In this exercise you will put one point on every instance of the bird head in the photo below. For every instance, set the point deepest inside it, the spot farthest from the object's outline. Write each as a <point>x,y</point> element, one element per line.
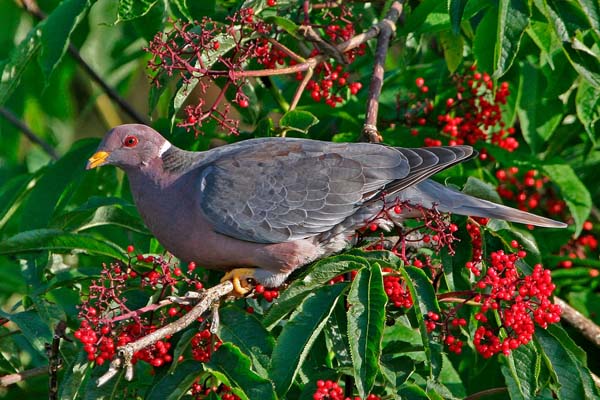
<point>129,146</point>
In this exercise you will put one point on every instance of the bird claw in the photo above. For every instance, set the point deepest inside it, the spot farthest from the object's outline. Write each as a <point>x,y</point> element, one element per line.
<point>240,278</point>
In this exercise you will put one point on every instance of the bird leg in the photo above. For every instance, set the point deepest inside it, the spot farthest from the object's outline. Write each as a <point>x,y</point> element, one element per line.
<point>240,278</point>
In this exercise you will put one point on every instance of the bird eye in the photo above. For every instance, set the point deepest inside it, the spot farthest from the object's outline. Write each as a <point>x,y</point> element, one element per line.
<point>130,141</point>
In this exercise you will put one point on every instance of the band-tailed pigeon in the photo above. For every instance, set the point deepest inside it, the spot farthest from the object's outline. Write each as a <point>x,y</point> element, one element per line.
<point>276,204</point>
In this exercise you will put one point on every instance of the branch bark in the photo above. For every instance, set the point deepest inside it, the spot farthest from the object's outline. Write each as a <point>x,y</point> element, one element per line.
<point>125,353</point>
<point>587,327</point>
<point>388,27</point>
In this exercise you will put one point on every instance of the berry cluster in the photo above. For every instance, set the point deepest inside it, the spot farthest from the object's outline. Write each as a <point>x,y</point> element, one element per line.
<point>221,391</point>
<point>473,114</point>
<point>396,289</point>
<point>268,294</point>
<point>502,293</point>
<point>474,230</point>
<point>202,345</point>
<point>107,322</point>
<point>329,390</point>
<point>530,191</point>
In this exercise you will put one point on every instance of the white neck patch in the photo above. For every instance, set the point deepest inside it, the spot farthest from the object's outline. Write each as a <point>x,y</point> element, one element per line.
<point>166,145</point>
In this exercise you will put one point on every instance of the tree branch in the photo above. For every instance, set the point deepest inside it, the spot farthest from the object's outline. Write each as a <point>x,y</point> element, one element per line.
<point>12,118</point>
<point>587,327</point>
<point>125,353</point>
<point>17,377</point>
<point>388,27</point>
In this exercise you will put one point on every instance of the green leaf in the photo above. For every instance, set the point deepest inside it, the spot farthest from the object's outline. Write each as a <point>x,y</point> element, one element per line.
<point>513,19</point>
<point>56,31</point>
<point>568,370</point>
<point>132,9</point>
<point>230,365</point>
<point>52,184</point>
<point>521,372</point>
<point>453,46</point>
<point>319,274</point>
<point>573,191</point>
<point>539,115</point>
<point>59,241</point>
<point>73,380</point>
<point>587,103</point>
<point>246,332</point>
<point>299,334</point>
<point>485,36</point>
<point>33,328</point>
<point>174,385</point>
<point>12,69</point>
<point>456,9</point>
<point>284,23</point>
<point>12,195</point>
<point>366,319</point>
<point>424,300</point>
<point>100,212</point>
<point>298,120</point>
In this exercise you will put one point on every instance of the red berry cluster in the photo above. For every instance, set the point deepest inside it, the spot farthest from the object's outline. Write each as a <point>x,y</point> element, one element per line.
<point>107,322</point>
<point>396,290</point>
<point>330,390</point>
<point>474,230</point>
<point>530,191</point>
<point>449,322</point>
<point>202,345</point>
<point>200,392</point>
<point>521,302</point>
<point>268,294</point>
<point>473,114</point>
<point>190,49</point>
<point>582,247</point>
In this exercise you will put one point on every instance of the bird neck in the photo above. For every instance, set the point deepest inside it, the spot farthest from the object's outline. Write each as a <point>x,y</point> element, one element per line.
<point>176,161</point>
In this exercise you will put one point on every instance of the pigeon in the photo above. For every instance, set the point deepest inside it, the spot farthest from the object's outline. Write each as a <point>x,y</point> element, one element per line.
<point>261,208</point>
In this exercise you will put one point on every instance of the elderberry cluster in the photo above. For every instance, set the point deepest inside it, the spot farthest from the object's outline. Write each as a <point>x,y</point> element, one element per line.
<point>330,390</point>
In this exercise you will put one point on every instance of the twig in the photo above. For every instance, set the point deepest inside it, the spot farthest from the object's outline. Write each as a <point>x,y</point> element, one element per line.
<point>32,8</point>
<point>12,118</point>
<point>125,353</point>
<point>587,327</point>
<point>300,89</point>
<point>388,28</point>
<point>17,377</point>
<point>54,359</point>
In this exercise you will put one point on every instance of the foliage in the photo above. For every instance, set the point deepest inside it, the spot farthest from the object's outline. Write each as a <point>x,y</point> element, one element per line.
<point>466,310</point>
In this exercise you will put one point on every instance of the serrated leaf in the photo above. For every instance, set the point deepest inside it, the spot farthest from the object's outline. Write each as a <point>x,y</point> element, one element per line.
<point>299,334</point>
<point>513,19</point>
<point>366,319</point>
<point>456,9</point>
<point>521,372</point>
<point>132,9</point>
<point>298,120</point>
<point>587,103</point>
<point>229,364</point>
<point>246,332</point>
<point>318,274</point>
<point>571,374</point>
<point>424,300</point>
<point>573,191</point>
<point>56,31</point>
<point>73,380</point>
<point>61,242</point>
<point>174,385</point>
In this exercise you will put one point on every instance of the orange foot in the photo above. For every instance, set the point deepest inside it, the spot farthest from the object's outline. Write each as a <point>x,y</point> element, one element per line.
<point>241,278</point>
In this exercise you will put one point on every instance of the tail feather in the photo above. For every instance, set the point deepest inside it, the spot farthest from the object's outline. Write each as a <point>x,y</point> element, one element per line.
<point>429,193</point>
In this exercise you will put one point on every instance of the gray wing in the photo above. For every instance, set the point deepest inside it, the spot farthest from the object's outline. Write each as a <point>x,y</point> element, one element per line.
<point>277,190</point>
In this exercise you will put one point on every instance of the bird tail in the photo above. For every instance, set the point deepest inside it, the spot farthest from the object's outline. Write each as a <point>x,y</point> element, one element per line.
<point>445,199</point>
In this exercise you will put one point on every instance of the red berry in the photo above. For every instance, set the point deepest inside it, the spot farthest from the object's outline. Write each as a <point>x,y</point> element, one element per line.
<point>419,82</point>
<point>130,249</point>
<point>243,103</point>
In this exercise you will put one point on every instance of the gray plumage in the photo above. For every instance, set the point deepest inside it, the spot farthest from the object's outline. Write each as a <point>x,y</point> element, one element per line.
<point>277,204</point>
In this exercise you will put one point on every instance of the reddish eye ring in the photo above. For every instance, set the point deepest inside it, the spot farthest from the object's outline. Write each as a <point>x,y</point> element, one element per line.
<point>130,141</point>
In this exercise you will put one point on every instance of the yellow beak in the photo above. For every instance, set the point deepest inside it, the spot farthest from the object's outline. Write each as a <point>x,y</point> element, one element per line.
<point>97,159</point>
